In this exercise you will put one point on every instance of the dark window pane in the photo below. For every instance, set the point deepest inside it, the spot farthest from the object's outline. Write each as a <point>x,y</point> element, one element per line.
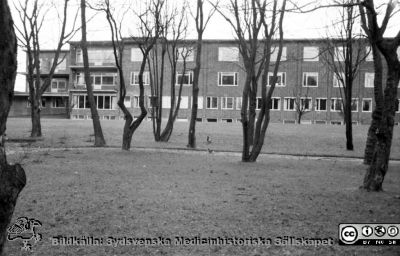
<point>107,100</point>
<point>100,102</point>
<point>81,101</point>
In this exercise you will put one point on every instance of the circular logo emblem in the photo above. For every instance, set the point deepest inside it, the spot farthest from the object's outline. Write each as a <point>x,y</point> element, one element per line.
<point>349,234</point>
<point>380,231</point>
<point>367,231</point>
<point>392,231</point>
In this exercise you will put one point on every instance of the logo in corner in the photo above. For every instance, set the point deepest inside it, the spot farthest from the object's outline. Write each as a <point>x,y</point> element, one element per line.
<point>24,229</point>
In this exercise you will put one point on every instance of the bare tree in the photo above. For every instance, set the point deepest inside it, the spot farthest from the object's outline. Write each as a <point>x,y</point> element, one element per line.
<point>12,177</point>
<point>32,17</point>
<point>201,24</point>
<point>302,101</point>
<point>175,102</point>
<point>344,54</point>
<point>174,27</point>
<point>99,140</point>
<point>251,20</point>
<point>149,30</point>
<point>384,118</point>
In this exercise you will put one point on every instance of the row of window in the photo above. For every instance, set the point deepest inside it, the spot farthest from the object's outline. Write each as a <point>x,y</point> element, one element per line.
<point>231,54</point>
<point>97,79</point>
<point>56,102</point>
<point>289,103</point>
<point>101,101</point>
<point>310,79</point>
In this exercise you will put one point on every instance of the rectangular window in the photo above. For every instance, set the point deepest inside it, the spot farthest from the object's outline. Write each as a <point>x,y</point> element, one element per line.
<point>336,105</point>
<point>274,54</point>
<point>226,102</point>
<point>97,56</point>
<point>238,103</point>
<point>339,54</point>
<point>81,101</point>
<point>227,78</point>
<point>320,104</point>
<point>79,58</point>
<point>128,103</point>
<point>187,79</point>
<point>58,85</point>
<point>258,103</point>
<point>354,105</point>
<point>368,53</point>
<point>184,104</point>
<point>135,101</point>
<point>185,52</point>
<point>135,78</point>
<point>136,55</point>
<point>62,65</point>
<point>58,102</point>
<point>310,79</point>
<point>166,102</point>
<point>212,103</point>
<point>43,103</point>
<point>310,53</point>
<point>228,54</point>
<point>97,79</point>
<point>275,104</point>
<point>281,78</point>
<point>369,80</point>
<point>289,104</point>
<point>108,79</point>
<point>200,102</point>
<point>338,79</point>
<point>367,105</point>
<point>305,104</point>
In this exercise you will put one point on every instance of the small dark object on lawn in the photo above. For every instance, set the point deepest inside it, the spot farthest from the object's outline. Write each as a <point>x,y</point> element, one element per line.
<point>210,150</point>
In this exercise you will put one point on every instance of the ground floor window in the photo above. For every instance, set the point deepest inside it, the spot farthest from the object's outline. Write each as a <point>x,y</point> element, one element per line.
<point>354,105</point>
<point>238,103</point>
<point>59,102</point>
<point>305,104</point>
<point>226,102</point>
<point>212,102</point>
<point>42,102</point>
<point>336,104</point>
<point>289,104</point>
<point>101,101</point>
<point>320,104</point>
<point>275,104</point>
<point>366,105</point>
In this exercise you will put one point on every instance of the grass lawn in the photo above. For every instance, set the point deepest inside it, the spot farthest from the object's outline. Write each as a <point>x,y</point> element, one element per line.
<point>288,138</point>
<point>103,192</point>
<point>107,192</point>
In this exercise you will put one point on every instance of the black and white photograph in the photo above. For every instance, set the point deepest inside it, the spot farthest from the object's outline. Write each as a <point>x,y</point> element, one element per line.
<point>199,127</point>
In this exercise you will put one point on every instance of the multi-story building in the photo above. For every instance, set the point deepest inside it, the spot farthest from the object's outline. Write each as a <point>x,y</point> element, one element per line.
<point>55,99</point>
<point>303,77</point>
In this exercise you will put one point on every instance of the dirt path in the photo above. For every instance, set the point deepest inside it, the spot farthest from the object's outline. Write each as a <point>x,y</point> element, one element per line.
<point>16,149</point>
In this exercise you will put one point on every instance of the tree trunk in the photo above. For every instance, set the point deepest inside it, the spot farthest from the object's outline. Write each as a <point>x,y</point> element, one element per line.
<point>299,115</point>
<point>377,112</point>
<point>347,118</point>
<point>380,161</point>
<point>35,118</point>
<point>98,132</point>
<point>195,93</point>
<point>12,177</point>
<point>127,133</point>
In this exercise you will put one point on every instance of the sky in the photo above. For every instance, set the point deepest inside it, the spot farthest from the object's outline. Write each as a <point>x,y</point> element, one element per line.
<point>315,24</point>
<point>296,25</point>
